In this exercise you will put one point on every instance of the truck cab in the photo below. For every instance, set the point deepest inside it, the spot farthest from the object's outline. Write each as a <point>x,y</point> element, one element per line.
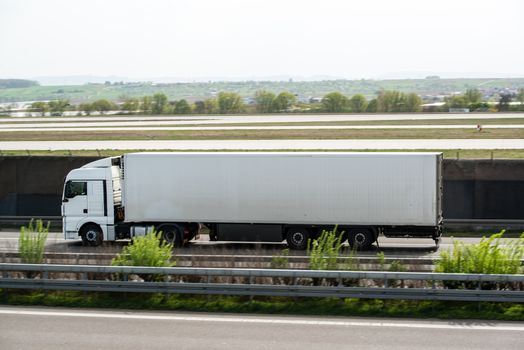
<point>90,196</point>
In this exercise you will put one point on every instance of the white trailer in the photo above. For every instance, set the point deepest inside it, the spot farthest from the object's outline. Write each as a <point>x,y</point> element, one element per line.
<point>256,196</point>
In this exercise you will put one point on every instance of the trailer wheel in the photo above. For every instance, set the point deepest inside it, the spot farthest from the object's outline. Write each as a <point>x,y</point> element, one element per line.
<point>172,235</point>
<point>360,238</point>
<point>91,235</point>
<point>297,238</point>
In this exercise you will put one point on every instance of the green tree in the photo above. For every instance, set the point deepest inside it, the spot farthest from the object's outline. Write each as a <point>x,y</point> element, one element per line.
<point>130,105</point>
<point>159,103</point>
<point>182,107</point>
<point>264,101</point>
<point>457,101</point>
<point>283,101</point>
<point>58,107</point>
<point>40,107</point>
<point>146,104</point>
<point>230,103</point>
<point>520,98</point>
<point>412,103</point>
<point>504,102</point>
<point>103,106</point>
<point>208,106</point>
<point>389,101</point>
<point>372,106</point>
<point>211,106</point>
<point>335,102</point>
<point>358,103</point>
<point>199,107</point>
<point>473,96</point>
<point>87,108</point>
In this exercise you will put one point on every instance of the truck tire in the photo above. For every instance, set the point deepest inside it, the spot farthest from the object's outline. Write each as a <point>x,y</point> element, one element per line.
<point>92,235</point>
<point>172,235</point>
<point>297,238</point>
<point>361,238</point>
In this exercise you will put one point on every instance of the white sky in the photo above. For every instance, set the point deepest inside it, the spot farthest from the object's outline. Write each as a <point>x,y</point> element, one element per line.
<point>240,39</point>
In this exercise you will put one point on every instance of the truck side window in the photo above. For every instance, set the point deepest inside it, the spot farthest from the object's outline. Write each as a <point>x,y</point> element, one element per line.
<point>75,188</point>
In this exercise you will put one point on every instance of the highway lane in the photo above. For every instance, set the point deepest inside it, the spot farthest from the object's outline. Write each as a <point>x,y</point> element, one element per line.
<point>272,118</point>
<point>61,328</point>
<point>392,247</point>
<point>44,128</point>
<point>382,144</point>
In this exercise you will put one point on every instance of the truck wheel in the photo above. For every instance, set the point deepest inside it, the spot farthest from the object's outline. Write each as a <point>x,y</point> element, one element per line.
<point>360,238</point>
<point>92,235</point>
<point>172,235</point>
<point>297,238</point>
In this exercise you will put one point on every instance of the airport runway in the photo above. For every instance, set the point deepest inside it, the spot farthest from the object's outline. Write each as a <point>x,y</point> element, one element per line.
<point>239,119</point>
<point>162,127</point>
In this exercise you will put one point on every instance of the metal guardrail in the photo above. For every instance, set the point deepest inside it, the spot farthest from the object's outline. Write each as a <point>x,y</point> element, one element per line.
<point>254,282</point>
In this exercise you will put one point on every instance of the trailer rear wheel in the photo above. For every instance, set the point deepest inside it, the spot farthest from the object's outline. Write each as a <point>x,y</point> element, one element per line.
<point>361,238</point>
<point>91,235</point>
<point>297,238</point>
<point>172,235</point>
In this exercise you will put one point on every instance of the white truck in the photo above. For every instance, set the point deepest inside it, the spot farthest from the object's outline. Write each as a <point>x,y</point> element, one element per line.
<point>255,196</point>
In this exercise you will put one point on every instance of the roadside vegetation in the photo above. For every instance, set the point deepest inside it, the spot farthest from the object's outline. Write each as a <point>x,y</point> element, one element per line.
<point>274,305</point>
<point>324,250</point>
<point>31,242</point>
<point>148,250</point>
<point>489,256</point>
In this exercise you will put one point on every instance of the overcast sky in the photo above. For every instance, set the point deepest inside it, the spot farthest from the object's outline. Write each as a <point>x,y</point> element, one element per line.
<point>240,39</point>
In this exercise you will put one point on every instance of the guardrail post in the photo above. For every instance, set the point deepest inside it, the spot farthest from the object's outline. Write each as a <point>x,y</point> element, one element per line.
<point>83,276</point>
<point>5,296</point>
<point>208,280</point>
<point>479,287</point>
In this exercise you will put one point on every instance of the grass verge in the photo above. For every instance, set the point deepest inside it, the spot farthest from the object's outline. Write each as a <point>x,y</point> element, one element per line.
<point>273,305</point>
<point>448,153</point>
<point>333,134</point>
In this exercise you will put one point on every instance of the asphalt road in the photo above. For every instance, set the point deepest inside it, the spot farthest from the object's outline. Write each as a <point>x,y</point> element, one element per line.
<point>392,247</point>
<point>265,144</point>
<point>60,328</point>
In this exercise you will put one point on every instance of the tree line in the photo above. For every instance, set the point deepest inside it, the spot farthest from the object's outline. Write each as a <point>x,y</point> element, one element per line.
<point>472,99</point>
<point>387,101</point>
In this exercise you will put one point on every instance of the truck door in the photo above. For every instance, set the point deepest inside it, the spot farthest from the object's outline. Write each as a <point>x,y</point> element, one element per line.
<point>84,199</point>
<point>74,206</point>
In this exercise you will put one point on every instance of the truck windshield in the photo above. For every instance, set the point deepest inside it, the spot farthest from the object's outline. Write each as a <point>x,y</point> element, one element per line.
<point>75,188</point>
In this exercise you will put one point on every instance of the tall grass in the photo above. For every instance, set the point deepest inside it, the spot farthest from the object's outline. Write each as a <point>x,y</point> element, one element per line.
<point>324,251</point>
<point>148,250</point>
<point>31,242</point>
<point>489,256</point>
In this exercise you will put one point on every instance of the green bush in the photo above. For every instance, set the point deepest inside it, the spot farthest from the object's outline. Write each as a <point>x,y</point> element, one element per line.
<point>489,257</point>
<point>31,242</point>
<point>394,266</point>
<point>148,250</point>
<point>324,251</point>
<point>280,261</point>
